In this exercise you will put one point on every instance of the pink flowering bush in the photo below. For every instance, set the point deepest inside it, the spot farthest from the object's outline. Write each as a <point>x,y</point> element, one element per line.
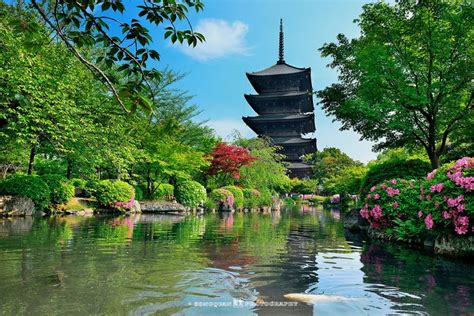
<point>448,195</point>
<point>115,194</point>
<point>441,203</point>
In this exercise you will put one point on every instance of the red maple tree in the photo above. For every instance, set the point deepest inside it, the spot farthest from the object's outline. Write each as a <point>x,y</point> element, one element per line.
<point>229,159</point>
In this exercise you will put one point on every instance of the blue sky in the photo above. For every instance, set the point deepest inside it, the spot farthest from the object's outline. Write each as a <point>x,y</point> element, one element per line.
<point>242,36</point>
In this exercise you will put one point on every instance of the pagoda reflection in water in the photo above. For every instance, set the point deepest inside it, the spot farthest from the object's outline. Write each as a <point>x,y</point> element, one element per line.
<point>284,105</point>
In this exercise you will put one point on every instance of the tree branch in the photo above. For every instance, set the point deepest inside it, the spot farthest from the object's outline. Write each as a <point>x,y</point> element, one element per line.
<point>93,68</point>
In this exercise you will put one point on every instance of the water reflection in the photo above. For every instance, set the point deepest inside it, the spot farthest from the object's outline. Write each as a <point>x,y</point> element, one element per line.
<point>232,263</point>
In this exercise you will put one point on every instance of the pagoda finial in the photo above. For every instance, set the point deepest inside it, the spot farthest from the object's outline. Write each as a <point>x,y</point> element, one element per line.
<point>281,53</point>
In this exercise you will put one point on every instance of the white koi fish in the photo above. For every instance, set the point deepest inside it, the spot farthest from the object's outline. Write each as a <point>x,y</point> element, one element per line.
<point>316,298</point>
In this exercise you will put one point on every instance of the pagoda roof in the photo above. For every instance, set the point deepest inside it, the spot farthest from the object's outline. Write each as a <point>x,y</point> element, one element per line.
<point>280,68</point>
<point>298,165</point>
<point>285,117</point>
<point>288,140</point>
<point>281,124</point>
<point>281,102</point>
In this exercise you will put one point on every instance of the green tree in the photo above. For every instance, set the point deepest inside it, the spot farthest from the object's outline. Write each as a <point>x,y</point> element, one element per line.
<point>269,172</point>
<point>330,162</point>
<point>407,80</point>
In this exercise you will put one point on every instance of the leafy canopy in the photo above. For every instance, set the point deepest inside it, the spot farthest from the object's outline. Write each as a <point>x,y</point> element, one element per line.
<point>407,80</point>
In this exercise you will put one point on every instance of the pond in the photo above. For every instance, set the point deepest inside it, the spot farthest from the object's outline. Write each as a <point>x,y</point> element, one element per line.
<point>219,263</point>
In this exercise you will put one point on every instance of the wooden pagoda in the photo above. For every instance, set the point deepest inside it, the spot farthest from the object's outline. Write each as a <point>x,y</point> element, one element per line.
<point>284,105</point>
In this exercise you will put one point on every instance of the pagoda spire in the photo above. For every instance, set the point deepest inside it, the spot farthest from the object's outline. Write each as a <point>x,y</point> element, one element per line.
<point>281,53</point>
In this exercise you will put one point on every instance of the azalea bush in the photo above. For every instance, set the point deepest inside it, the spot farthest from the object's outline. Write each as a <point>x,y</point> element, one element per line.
<point>441,203</point>
<point>222,197</point>
<point>447,198</point>
<point>115,194</point>
<point>190,193</point>
<point>238,195</point>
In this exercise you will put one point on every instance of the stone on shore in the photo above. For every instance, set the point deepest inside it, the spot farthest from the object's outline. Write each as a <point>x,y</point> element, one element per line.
<point>161,206</point>
<point>16,206</point>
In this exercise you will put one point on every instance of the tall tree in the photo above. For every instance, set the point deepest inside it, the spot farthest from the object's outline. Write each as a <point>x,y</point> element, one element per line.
<point>407,80</point>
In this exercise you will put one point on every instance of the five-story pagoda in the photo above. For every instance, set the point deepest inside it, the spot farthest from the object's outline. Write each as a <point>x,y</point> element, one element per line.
<point>284,105</point>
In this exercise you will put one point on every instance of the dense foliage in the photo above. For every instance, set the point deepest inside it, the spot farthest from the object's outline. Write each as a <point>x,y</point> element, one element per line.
<point>32,187</point>
<point>61,189</point>
<point>251,198</point>
<point>394,168</point>
<point>190,193</point>
<point>335,171</point>
<point>114,193</point>
<point>407,80</point>
<point>268,172</point>
<point>164,191</point>
<point>441,203</point>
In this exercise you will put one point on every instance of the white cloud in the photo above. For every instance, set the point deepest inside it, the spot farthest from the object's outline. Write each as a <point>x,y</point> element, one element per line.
<point>222,39</point>
<point>226,127</point>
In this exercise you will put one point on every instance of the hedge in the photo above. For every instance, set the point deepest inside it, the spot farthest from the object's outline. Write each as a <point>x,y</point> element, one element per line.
<point>190,193</point>
<point>32,187</point>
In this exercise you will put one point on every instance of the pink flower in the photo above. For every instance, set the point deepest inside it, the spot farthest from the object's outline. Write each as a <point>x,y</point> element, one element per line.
<point>437,187</point>
<point>461,225</point>
<point>372,189</point>
<point>431,174</point>
<point>395,204</point>
<point>376,212</point>
<point>429,221</point>
<point>383,186</point>
<point>460,207</point>
<point>452,202</point>
<point>391,191</point>
<point>394,181</point>
<point>369,196</point>
<point>446,215</point>
<point>364,213</point>
<point>420,214</point>
<point>428,197</point>
<point>376,196</point>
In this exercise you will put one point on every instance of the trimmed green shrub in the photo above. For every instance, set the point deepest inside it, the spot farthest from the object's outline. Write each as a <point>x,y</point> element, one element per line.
<point>164,191</point>
<point>61,190</point>
<point>32,187</point>
<point>110,192</point>
<point>394,169</point>
<point>238,195</point>
<point>190,193</point>
<point>251,198</point>
<point>222,196</point>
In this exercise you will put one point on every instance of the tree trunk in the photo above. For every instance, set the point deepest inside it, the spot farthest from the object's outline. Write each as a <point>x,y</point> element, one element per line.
<point>32,159</point>
<point>434,159</point>
<point>69,169</point>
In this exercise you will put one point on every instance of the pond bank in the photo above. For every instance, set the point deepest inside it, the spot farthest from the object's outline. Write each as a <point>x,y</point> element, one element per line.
<point>447,245</point>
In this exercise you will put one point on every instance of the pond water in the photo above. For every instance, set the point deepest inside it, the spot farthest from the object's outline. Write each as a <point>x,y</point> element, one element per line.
<point>219,263</point>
